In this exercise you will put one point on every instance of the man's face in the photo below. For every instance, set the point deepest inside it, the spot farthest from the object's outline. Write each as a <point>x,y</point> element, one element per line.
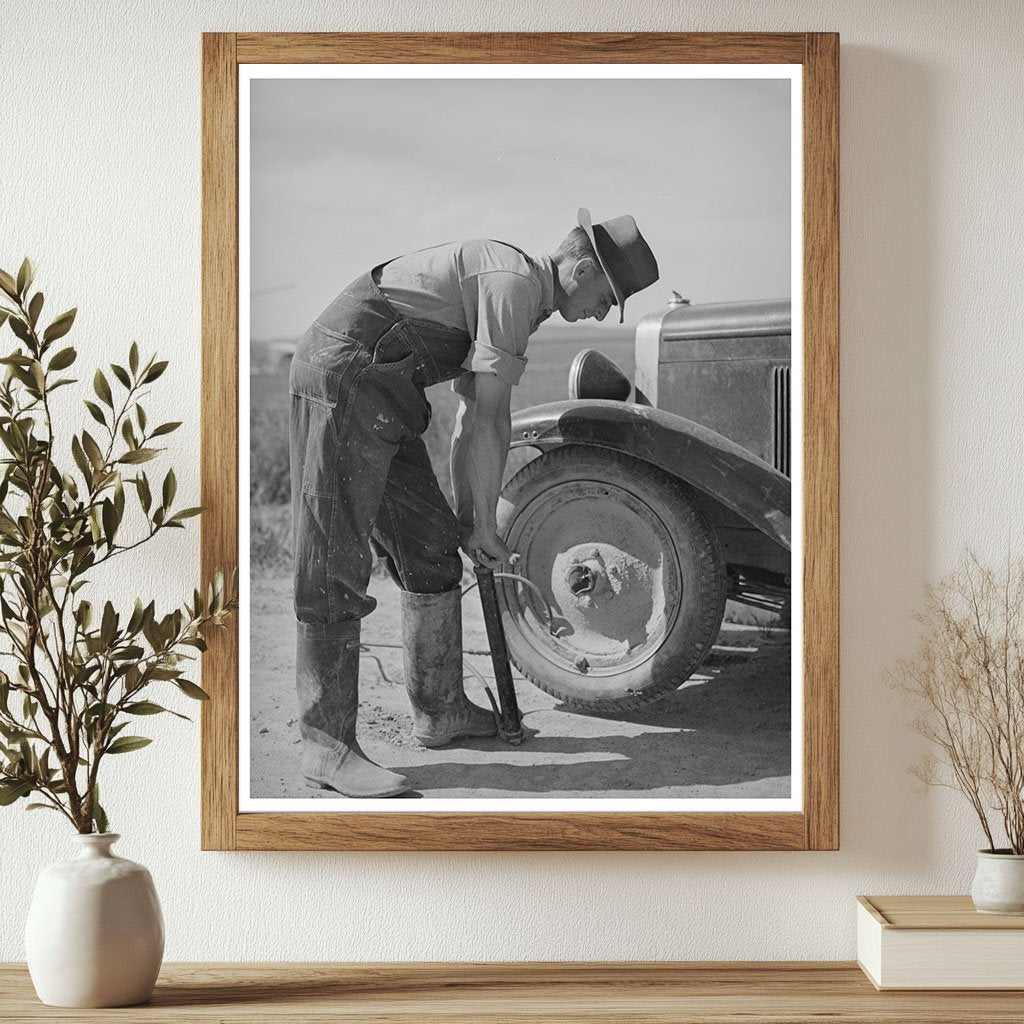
<point>590,294</point>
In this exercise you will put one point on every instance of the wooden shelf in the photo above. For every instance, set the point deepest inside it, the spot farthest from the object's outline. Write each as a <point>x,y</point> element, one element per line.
<point>615,993</point>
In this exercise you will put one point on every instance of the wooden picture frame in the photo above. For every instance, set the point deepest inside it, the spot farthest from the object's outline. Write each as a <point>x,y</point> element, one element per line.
<point>816,826</point>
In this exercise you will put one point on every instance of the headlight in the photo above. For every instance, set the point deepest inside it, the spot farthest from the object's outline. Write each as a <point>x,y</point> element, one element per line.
<point>593,375</point>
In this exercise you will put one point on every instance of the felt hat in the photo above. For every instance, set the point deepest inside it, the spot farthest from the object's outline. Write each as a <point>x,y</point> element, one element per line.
<point>624,255</point>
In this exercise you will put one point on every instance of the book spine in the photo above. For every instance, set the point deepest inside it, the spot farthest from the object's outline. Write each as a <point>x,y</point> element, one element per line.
<point>869,945</point>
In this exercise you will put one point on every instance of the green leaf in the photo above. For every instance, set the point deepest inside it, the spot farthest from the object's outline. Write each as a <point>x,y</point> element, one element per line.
<point>133,358</point>
<point>132,679</point>
<point>19,374</point>
<point>119,498</point>
<point>139,455</point>
<point>60,326</point>
<point>218,584</point>
<point>164,673</point>
<point>19,632</point>
<point>102,388</point>
<point>63,359</point>
<point>99,816</point>
<point>145,497</point>
<point>135,622</point>
<point>92,449</point>
<point>140,415</point>
<point>170,487</point>
<point>125,744</point>
<point>10,614</point>
<point>11,791</point>
<point>34,308</point>
<point>154,371</point>
<point>41,807</point>
<point>95,412</point>
<point>84,614</point>
<point>191,690</point>
<point>109,521</point>
<point>95,526</point>
<point>12,733</point>
<point>10,442</point>
<point>121,374</point>
<point>80,458</point>
<point>108,627</point>
<point>128,433</point>
<point>26,274</point>
<point>8,284</point>
<point>185,513</point>
<point>165,428</point>
<point>130,653</point>
<point>144,707</point>
<point>20,329</point>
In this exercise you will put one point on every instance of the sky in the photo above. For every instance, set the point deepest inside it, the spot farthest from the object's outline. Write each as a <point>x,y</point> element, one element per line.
<point>347,173</point>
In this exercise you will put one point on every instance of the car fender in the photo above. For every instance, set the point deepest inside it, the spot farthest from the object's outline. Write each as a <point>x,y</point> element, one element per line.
<point>707,461</point>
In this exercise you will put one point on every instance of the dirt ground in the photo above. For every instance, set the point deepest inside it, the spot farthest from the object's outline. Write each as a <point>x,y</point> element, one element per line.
<point>725,733</point>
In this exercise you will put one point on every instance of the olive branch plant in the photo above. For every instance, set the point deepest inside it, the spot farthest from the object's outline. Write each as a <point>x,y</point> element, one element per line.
<point>966,680</point>
<point>80,674</point>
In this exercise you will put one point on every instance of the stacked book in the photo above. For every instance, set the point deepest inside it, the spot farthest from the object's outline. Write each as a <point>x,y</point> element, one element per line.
<point>938,942</point>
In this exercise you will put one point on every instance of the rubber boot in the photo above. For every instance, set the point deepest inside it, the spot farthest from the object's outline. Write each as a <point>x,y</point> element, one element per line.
<point>432,640</point>
<point>327,678</point>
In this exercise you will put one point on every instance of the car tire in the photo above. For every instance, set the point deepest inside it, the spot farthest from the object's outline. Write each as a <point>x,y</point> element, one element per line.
<point>628,565</point>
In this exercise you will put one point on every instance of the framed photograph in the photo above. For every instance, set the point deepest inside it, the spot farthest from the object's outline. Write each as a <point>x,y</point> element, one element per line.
<point>520,418</point>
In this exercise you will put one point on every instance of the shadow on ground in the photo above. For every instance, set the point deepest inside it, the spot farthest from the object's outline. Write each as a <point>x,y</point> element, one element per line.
<point>724,734</point>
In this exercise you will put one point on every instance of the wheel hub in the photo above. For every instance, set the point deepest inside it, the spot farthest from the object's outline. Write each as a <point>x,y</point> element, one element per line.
<point>582,580</point>
<point>599,556</point>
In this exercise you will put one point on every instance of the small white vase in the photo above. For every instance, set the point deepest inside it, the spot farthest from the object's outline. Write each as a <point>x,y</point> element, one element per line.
<point>95,934</point>
<point>999,883</point>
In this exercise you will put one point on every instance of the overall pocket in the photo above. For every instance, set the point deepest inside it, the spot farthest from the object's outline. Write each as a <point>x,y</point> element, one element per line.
<point>393,351</point>
<point>313,437</point>
<point>391,385</point>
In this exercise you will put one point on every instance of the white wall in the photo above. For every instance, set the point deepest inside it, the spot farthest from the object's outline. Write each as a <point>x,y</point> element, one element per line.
<point>100,182</point>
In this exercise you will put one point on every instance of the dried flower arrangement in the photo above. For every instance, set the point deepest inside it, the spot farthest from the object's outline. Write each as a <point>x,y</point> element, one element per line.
<point>967,682</point>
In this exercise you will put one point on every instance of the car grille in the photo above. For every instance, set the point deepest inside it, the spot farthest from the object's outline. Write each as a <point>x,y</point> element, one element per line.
<point>780,452</point>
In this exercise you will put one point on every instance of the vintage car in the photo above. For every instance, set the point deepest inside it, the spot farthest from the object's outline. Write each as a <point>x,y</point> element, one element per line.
<point>651,505</point>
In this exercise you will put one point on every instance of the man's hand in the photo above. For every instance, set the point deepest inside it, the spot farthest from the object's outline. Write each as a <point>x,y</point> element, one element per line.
<point>487,549</point>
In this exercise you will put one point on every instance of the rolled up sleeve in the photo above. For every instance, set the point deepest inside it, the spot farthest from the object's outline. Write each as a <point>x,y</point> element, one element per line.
<point>502,308</point>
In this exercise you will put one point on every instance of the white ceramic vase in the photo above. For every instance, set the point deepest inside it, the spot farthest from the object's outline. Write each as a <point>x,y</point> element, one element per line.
<point>95,934</point>
<point>999,883</point>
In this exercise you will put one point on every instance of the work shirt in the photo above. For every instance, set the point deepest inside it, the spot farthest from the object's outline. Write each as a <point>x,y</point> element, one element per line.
<point>494,292</point>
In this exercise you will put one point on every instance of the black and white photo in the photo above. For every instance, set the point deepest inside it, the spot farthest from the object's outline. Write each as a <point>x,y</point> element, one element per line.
<point>536,330</point>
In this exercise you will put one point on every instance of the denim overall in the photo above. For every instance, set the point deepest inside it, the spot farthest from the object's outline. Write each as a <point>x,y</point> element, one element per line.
<point>360,472</point>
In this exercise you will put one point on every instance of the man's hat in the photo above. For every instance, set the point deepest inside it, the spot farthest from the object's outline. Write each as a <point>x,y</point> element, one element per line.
<point>625,257</point>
